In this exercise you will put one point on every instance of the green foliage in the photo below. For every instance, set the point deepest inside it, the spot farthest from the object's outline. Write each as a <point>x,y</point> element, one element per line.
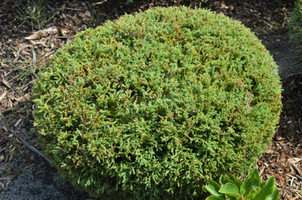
<point>129,1</point>
<point>295,27</point>
<point>250,189</point>
<point>154,106</point>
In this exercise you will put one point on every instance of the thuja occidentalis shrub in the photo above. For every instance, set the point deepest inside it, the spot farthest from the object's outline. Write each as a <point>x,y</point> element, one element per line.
<point>155,105</point>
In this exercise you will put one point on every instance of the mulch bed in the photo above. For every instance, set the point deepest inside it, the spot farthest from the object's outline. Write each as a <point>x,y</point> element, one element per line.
<point>284,157</point>
<point>23,48</point>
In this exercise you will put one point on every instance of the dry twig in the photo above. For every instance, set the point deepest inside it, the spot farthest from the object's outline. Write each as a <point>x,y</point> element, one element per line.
<point>29,146</point>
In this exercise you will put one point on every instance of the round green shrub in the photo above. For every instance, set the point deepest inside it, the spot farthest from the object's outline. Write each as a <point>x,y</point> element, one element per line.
<point>155,105</point>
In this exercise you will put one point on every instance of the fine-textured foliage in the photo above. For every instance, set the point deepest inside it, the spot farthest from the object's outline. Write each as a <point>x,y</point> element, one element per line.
<point>154,106</point>
<point>295,27</point>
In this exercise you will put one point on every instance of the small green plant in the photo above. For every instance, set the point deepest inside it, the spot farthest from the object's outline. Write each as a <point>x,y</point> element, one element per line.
<point>250,189</point>
<point>295,27</point>
<point>35,14</point>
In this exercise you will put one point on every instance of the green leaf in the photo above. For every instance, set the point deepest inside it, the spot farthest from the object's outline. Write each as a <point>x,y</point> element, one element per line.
<point>252,181</point>
<point>253,194</point>
<point>232,198</point>
<point>263,191</point>
<point>267,190</point>
<point>215,198</point>
<point>233,179</point>
<point>230,189</point>
<point>236,181</point>
<point>275,195</point>
<point>223,180</point>
<point>213,188</point>
<point>239,184</point>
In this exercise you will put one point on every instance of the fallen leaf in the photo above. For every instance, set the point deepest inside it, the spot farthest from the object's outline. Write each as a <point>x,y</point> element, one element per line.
<point>24,98</point>
<point>42,33</point>
<point>64,31</point>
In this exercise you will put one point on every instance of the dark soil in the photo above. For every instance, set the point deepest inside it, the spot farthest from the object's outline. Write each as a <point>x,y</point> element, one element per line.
<point>20,58</point>
<point>285,56</point>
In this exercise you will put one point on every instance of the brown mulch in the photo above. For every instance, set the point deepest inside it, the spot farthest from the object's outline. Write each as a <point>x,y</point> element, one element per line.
<point>23,48</point>
<point>284,157</point>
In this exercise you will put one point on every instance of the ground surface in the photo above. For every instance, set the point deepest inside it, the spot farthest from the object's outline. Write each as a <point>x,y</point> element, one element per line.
<point>26,175</point>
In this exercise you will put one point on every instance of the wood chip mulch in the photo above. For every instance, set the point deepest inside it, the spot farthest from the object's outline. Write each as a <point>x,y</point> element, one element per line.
<point>284,157</point>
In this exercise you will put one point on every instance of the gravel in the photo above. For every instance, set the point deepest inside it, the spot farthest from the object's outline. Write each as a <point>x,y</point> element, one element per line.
<point>36,183</point>
<point>28,176</point>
